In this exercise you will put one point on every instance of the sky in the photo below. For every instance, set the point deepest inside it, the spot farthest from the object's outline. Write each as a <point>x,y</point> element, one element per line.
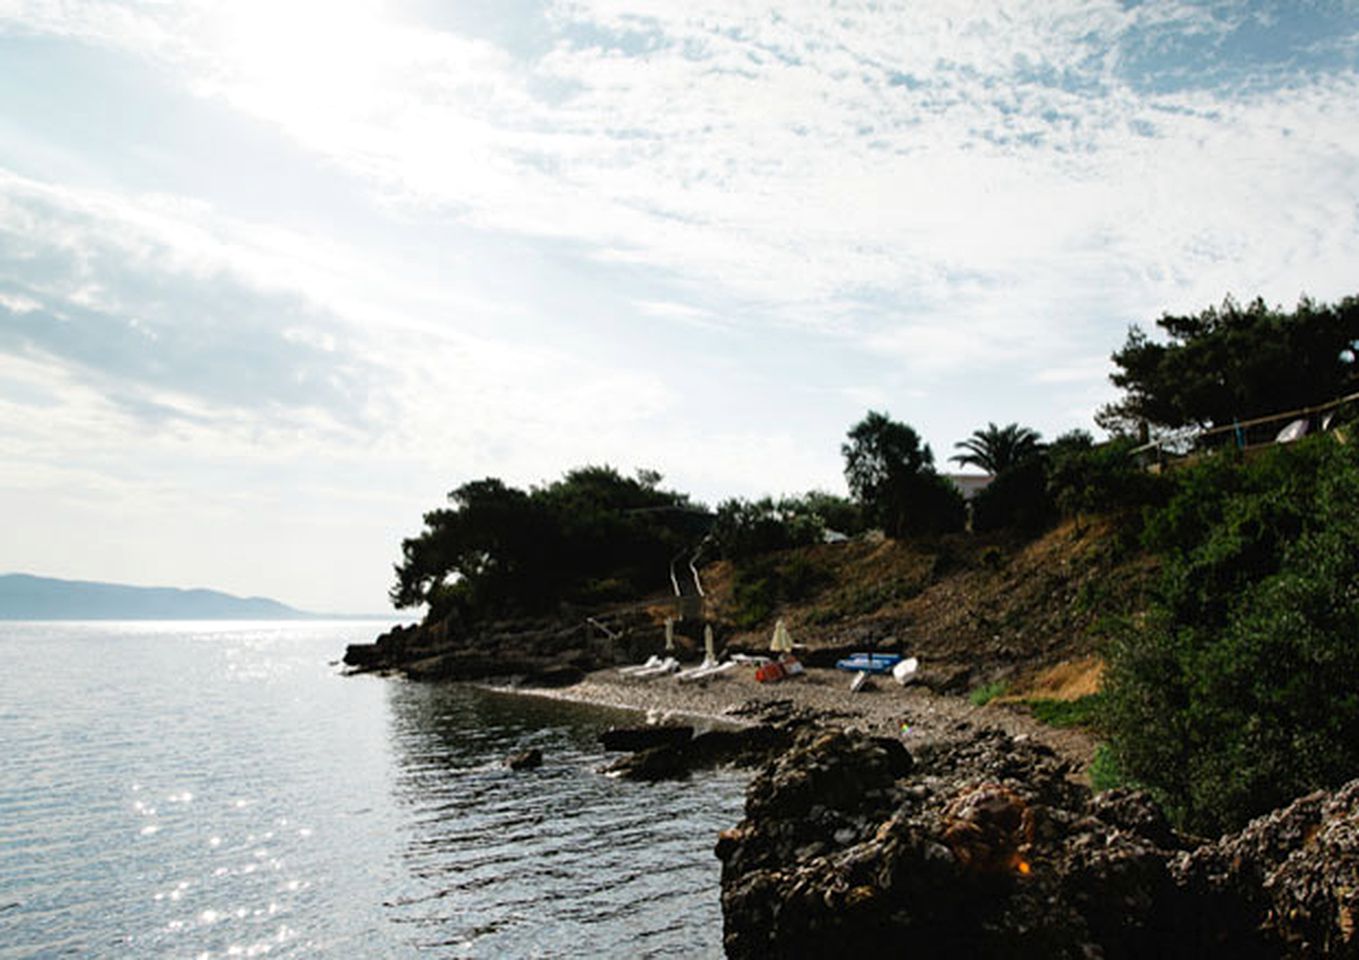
<point>277,276</point>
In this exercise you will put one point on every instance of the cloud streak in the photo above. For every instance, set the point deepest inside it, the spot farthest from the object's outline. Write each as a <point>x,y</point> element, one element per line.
<point>136,299</point>
<point>1003,164</point>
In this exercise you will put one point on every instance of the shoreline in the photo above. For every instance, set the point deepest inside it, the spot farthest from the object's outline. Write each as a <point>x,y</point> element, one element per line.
<point>736,699</point>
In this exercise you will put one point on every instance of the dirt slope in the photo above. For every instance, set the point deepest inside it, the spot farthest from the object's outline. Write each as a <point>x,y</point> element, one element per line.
<point>984,608</point>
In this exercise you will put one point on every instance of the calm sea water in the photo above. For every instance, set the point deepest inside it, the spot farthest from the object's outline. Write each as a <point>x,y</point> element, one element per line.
<point>218,790</point>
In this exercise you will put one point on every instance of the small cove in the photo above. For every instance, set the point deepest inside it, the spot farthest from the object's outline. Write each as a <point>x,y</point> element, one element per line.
<point>206,790</point>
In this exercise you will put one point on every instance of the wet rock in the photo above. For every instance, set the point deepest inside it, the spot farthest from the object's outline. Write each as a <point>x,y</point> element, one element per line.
<point>557,675</point>
<point>646,737</point>
<point>746,746</point>
<point>363,655</point>
<point>525,760</point>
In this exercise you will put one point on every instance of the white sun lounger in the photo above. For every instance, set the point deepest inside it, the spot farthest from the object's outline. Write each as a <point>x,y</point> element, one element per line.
<point>668,665</point>
<point>636,668</point>
<point>705,670</point>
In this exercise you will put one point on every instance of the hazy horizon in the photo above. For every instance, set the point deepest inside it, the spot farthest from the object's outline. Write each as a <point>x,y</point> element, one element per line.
<point>275,277</point>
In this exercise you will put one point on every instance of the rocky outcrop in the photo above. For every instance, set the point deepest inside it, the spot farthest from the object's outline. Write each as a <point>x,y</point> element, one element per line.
<point>645,737</point>
<point>741,747</point>
<point>552,651</point>
<point>986,847</point>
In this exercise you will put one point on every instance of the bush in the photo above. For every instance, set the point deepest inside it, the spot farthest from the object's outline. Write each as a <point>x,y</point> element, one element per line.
<point>1105,479</point>
<point>1081,712</point>
<point>984,694</point>
<point>1236,693</point>
<point>1104,771</point>
<point>759,586</point>
<point>1017,499</point>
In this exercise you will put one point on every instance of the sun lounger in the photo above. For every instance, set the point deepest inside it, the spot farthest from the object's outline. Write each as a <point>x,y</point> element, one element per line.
<point>668,665</point>
<point>704,671</point>
<point>636,668</point>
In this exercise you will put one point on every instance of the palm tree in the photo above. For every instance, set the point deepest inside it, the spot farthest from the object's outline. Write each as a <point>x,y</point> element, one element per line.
<point>997,449</point>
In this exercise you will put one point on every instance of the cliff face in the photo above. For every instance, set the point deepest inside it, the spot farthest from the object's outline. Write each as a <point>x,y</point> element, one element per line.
<point>984,847</point>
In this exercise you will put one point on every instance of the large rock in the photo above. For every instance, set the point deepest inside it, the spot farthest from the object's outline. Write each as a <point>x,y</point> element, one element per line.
<point>986,848</point>
<point>744,746</point>
<point>645,737</point>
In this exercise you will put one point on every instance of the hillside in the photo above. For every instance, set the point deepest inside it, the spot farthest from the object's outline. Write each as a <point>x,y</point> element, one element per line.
<point>974,609</point>
<point>25,597</point>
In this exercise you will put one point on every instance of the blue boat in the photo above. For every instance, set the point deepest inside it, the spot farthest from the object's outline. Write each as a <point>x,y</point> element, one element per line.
<point>868,662</point>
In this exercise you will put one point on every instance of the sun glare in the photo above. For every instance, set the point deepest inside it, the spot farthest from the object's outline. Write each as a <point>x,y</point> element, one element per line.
<point>302,54</point>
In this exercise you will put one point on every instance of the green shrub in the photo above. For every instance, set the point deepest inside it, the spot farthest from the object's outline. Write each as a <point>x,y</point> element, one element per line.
<point>1017,499</point>
<point>753,599</point>
<point>1104,771</point>
<point>760,585</point>
<point>1237,692</point>
<point>1081,712</point>
<point>984,694</point>
<point>1105,479</point>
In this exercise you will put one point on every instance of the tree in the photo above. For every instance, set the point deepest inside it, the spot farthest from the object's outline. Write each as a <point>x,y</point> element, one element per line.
<point>1233,363</point>
<point>997,449</point>
<point>748,528</point>
<point>592,535</point>
<point>1235,692</point>
<point>891,474</point>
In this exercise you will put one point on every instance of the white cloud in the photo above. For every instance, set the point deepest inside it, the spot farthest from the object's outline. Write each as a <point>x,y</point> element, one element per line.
<point>978,193</point>
<point>799,158</point>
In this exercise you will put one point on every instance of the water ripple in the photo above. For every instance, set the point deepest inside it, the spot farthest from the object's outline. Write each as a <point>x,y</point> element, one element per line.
<point>216,790</point>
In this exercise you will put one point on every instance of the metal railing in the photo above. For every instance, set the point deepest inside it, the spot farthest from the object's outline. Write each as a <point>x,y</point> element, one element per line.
<point>1245,435</point>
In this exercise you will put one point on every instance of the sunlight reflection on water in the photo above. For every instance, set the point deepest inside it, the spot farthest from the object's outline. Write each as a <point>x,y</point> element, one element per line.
<point>217,790</point>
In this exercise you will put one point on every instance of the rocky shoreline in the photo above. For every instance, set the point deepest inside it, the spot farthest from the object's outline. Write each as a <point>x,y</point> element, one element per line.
<point>902,820</point>
<point>986,847</point>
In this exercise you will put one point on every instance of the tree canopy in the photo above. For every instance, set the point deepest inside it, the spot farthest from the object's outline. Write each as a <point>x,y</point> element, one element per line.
<point>1232,363</point>
<point>592,535</point>
<point>748,528</point>
<point>891,474</point>
<point>997,449</point>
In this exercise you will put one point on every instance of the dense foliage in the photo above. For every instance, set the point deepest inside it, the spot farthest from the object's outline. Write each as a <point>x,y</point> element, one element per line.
<point>1238,691</point>
<point>1017,499</point>
<point>747,528</point>
<point>593,535</point>
<point>1085,478</point>
<point>891,475</point>
<point>1232,363</point>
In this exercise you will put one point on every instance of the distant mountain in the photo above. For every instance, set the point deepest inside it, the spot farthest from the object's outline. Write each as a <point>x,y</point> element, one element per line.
<point>24,597</point>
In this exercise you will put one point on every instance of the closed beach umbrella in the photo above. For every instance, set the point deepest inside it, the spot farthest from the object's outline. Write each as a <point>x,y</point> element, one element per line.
<point>782,642</point>
<point>708,653</point>
<point>669,635</point>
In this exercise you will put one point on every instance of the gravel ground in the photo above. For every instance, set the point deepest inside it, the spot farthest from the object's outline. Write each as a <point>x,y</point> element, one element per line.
<point>736,697</point>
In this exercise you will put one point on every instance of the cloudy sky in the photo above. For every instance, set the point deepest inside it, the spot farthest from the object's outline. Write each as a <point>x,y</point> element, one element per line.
<point>275,276</point>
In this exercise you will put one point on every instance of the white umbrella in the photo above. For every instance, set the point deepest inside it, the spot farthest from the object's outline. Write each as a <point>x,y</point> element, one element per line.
<point>782,642</point>
<point>708,655</point>
<point>669,635</point>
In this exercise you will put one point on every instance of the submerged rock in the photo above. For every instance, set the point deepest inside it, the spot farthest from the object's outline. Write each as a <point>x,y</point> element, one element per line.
<point>525,760</point>
<point>645,737</point>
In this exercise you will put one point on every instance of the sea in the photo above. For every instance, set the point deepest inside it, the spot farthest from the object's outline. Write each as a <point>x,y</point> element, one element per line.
<point>204,790</point>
